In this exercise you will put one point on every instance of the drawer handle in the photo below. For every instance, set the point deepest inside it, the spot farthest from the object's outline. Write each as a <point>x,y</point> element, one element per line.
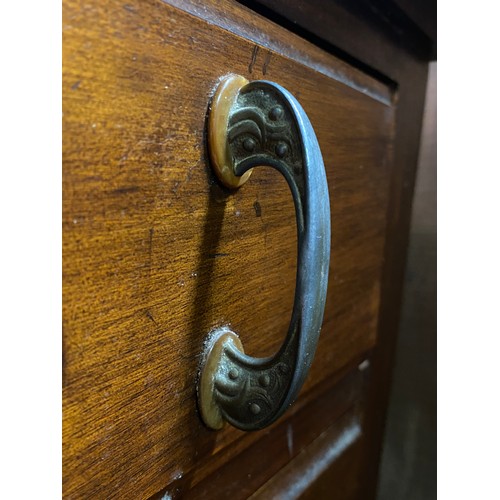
<point>262,124</point>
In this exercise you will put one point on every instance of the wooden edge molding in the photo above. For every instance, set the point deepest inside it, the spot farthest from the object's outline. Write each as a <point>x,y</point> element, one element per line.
<point>245,23</point>
<point>240,471</point>
<point>293,480</point>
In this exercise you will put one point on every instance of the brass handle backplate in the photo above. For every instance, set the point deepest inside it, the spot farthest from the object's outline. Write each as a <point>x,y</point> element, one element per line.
<point>262,124</point>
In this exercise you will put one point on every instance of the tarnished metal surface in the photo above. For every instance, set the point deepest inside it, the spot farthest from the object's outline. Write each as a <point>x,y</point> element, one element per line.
<point>268,127</point>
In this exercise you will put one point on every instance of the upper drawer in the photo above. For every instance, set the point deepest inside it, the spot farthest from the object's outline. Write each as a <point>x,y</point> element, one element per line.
<point>156,253</point>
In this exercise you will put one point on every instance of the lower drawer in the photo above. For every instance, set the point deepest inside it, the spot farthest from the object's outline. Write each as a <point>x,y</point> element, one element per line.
<point>316,431</point>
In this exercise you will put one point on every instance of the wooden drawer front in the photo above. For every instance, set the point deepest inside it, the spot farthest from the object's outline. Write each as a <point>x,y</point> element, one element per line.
<point>156,253</point>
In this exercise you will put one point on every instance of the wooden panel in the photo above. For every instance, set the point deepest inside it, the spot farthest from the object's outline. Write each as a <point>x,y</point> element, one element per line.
<point>408,464</point>
<point>243,22</point>
<point>363,34</point>
<point>236,472</point>
<point>327,468</point>
<point>155,253</point>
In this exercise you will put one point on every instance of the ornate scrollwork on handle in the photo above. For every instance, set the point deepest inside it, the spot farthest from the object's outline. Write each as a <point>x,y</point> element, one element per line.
<point>263,125</point>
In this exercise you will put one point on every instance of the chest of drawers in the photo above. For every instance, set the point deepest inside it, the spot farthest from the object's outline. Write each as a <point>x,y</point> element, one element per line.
<point>156,253</point>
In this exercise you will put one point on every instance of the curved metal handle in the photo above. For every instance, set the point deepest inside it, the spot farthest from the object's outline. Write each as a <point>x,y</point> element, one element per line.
<point>262,124</point>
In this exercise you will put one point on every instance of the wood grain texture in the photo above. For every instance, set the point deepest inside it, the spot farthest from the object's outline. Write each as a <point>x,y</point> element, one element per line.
<point>156,253</point>
<point>360,31</point>
<point>241,470</point>
<point>388,34</point>
<point>247,23</point>
<point>327,468</point>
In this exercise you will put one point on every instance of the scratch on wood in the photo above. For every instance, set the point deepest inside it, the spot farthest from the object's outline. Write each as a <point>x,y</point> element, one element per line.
<point>129,8</point>
<point>254,57</point>
<point>125,190</point>
<point>215,255</point>
<point>76,85</point>
<point>289,439</point>
<point>257,208</point>
<point>266,62</point>
<point>151,233</point>
<point>64,360</point>
<point>150,316</point>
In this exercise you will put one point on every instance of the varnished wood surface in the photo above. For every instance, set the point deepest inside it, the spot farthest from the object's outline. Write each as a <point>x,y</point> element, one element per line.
<point>408,465</point>
<point>361,32</point>
<point>327,468</point>
<point>386,35</point>
<point>156,253</point>
<point>244,22</point>
<point>249,465</point>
